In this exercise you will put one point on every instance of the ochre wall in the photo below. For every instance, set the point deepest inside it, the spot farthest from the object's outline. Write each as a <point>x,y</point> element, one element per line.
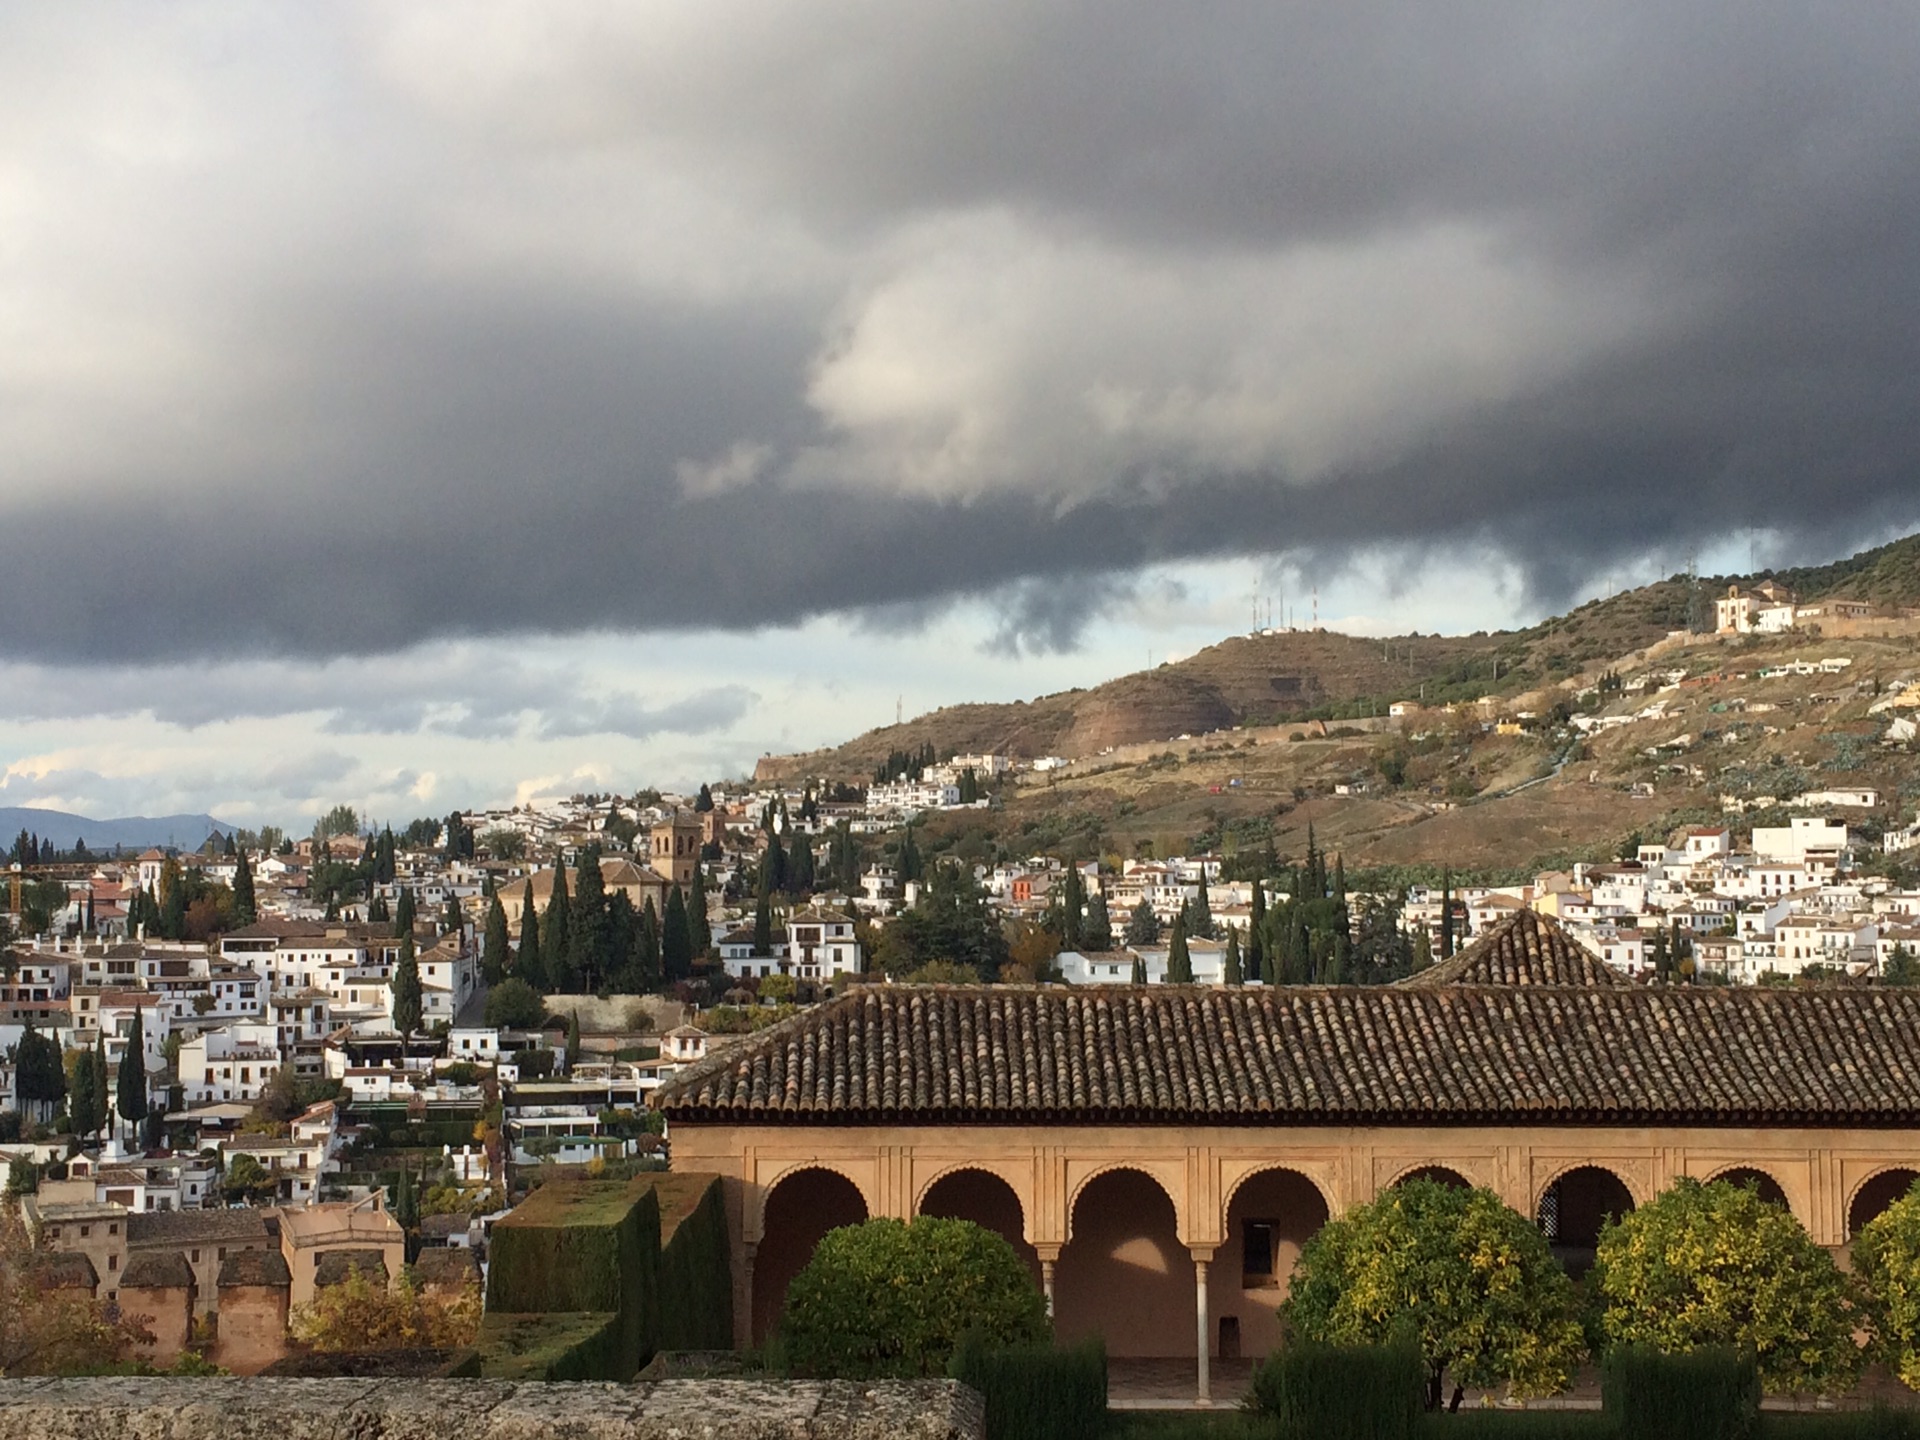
<point>1198,1169</point>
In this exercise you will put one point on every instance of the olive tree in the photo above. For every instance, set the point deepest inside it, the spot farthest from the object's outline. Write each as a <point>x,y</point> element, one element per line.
<point>1716,1264</point>
<point>1455,1271</point>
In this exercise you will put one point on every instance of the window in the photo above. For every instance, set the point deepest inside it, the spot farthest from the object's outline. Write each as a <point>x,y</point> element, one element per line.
<point>85,1231</point>
<point>1256,1255</point>
<point>113,1262</point>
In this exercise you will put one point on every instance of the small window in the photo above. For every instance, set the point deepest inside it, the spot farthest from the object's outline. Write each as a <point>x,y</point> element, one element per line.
<point>113,1262</point>
<point>85,1231</point>
<point>1256,1262</point>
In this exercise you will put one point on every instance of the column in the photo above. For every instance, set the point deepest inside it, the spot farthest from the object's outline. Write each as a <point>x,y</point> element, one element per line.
<point>1202,1329</point>
<point>1046,1284</point>
<point>743,1312</point>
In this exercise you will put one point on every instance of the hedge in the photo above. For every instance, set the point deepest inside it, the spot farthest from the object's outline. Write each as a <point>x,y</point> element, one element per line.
<point>696,1263</point>
<point>584,1246</point>
<point>596,1247</point>
<point>562,1346</point>
<point>1341,1392</point>
<point>1712,1393</point>
<point>1036,1392</point>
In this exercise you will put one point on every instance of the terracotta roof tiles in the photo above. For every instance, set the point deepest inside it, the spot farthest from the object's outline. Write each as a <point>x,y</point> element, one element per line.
<point>1524,949</point>
<point>1460,1054</point>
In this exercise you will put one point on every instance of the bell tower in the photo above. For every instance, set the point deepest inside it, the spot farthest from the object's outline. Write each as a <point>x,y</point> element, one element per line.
<point>675,844</point>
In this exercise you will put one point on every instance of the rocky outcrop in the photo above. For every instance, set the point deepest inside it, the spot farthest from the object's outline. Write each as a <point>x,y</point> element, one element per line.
<point>132,1408</point>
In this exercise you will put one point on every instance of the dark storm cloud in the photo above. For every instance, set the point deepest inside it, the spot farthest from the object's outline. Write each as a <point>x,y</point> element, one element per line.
<point>956,311</point>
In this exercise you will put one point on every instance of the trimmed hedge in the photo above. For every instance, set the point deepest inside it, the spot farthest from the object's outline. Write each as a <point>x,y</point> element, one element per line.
<point>595,1247</point>
<point>590,1246</point>
<point>1036,1392</point>
<point>1712,1393</point>
<point>1341,1392</point>
<point>560,1346</point>
<point>696,1263</point>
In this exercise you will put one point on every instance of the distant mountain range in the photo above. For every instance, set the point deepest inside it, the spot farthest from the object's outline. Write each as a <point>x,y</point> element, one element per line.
<point>131,832</point>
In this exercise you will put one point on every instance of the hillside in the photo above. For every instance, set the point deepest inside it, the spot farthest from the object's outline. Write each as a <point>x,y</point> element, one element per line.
<point>1299,675</point>
<point>130,832</point>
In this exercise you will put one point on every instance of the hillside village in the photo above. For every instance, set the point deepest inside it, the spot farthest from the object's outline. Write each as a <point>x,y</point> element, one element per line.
<point>225,1066</point>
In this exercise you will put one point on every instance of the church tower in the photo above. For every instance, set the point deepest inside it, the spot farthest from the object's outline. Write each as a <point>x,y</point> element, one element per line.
<point>676,847</point>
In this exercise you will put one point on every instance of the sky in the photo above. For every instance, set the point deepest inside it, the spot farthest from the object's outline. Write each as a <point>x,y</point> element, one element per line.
<point>427,405</point>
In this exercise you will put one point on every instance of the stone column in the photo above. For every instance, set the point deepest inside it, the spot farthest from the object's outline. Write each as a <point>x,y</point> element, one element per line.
<point>743,1312</point>
<point>1202,1326</point>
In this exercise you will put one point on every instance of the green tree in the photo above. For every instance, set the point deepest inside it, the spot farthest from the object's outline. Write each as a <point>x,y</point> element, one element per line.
<point>676,941</point>
<point>529,958</point>
<point>703,802</point>
<point>643,960</point>
<point>1902,967</point>
<point>81,1116</point>
<point>763,909</point>
<point>1886,1263</point>
<point>495,949</point>
<point>591,963</point>
<point>1073,903</point>
<point>1200,913</point>
<point>573,1039</point>
<point>515,1005</point>
<point>1139,975</point>
<point>911,865</point>
<point>1096,934</point>
<point>951,922</point>
<point>247,1181</point>
<point>406,988</point>
<point>340,820</point>
<point>1453,1270</point>
<point>1179,962</point>
<point>556,934</point>
<point>1446,915</point>
<point>97,1077</point>
<point>1230,962</point>
<point>1715,1264</point>
<point>891,1299</point>
<point>699,925</point>
<point>404,911</point>
<point>245,908</point>
<point>132,1092</point>
<point>800,870</point>
<point>1143,926</point>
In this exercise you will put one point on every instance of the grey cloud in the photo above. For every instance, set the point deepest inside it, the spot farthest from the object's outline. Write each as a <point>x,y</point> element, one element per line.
<point>302,777</point>
<point>465,399</point>
<point>625,715</point>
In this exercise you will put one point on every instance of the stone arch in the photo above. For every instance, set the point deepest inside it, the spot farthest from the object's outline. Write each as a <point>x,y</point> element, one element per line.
<point>986,1197</point>
<point>1572,1208</point>
<point>1439,1174</point>
<point>1169,1186</point>
<point>1873,1195</point>
<point>797,1210</point>
<point>1269,1215</point>
<point>763,1193</point>
<point>1124,1273</point>
<point>1770,1188</point>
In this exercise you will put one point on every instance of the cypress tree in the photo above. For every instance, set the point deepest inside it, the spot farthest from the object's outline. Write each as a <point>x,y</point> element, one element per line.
<point>1446,915</point>
<point>556,933</point>
<point>494,952</point>
<point>245,907</point>
<point>406,989</point>
<point>1422,949</point>
<point>1098,931</point>
<point>1256,928</point>
<point>452,919</point>
<point>529,961</point>
<point>800,875</point>
<point>910,862</point>
<point>173,903</point>
<point>573,1039</point>
<point>1143,926</point>
<point>1073,901</point>
<point>676,943</point>
<point>1139,971</point>
<point>132,1090</point>
<point>1201,924</point>
<point>97,1079</point>
<point>1230,963</point>
<point>403,913</point>
<point>703,802</point>
<point>763,911</point>
<point>1179,962</point>
<point>80,1114</point>
<point>590,961</point>
<point>698,925</point>
<point>645,964</point>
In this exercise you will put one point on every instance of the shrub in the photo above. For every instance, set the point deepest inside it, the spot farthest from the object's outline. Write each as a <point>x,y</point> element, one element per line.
<point>515,1005</point>
<point>360,1314</point>
<point>696,1269</point>
<point>885,1298</point>
<point>1717,1265</point>
<point>1712,1393</point>
<point>1886,1262</point>
<point>1341,1392</point>
<point>1036,1392</point>
<point>1455,1272</point>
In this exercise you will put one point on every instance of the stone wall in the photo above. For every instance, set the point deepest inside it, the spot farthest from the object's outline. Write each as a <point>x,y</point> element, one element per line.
<point>131,1408</point>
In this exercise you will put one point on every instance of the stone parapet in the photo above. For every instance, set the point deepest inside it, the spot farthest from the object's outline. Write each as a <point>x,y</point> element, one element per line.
<point>138,1408</point>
